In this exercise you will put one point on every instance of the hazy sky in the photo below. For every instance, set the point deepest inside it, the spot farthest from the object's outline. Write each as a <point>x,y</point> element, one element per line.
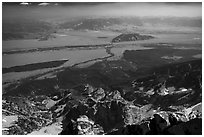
<point>69,10</point>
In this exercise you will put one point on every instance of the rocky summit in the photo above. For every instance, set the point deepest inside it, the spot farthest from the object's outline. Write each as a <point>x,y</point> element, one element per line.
<point>166,102</point>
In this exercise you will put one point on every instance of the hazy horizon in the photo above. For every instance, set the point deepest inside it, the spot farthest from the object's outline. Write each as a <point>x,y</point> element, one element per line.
<point>129,9</point>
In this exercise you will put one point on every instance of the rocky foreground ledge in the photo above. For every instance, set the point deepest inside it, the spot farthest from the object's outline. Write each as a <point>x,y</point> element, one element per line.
<point>120,117</point>
<point>173,124</point>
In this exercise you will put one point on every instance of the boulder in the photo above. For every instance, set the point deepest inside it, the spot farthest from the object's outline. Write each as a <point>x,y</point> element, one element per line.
<point>85,126</point>
<point>157,124</point>
<point>175,118</point>
<point>98,94</point>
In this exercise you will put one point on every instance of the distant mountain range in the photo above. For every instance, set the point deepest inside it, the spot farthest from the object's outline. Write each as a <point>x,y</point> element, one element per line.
<point>35,29</point>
